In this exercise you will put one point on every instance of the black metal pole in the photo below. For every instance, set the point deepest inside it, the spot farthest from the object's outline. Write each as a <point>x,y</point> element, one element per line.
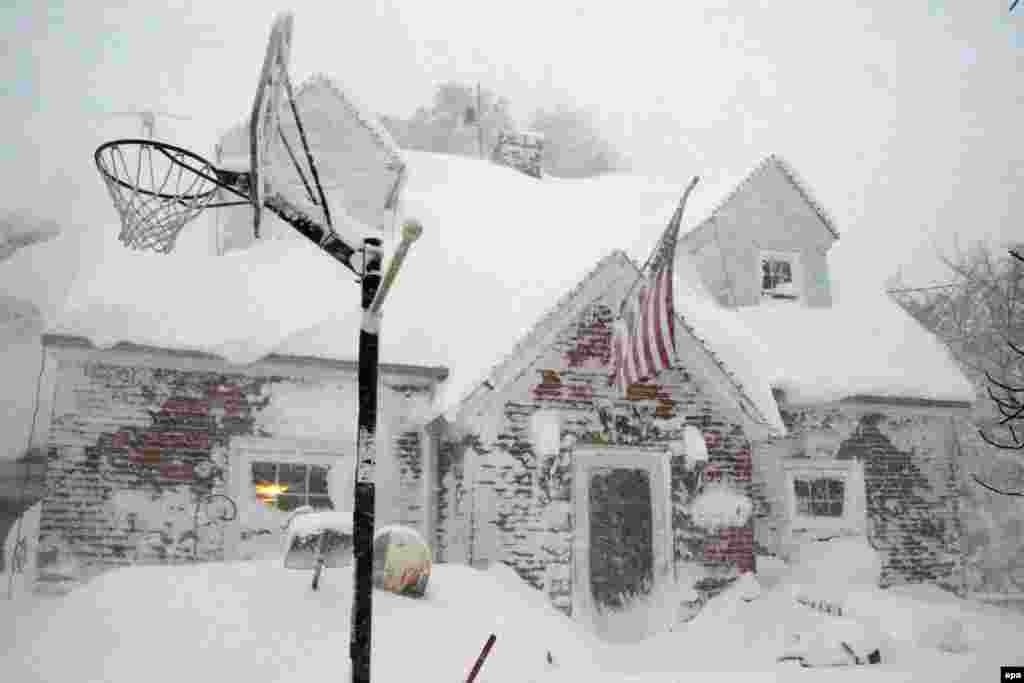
<point>363,508</point>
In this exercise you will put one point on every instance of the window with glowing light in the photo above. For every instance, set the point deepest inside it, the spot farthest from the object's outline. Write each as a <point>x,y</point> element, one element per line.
<point>286,486</point>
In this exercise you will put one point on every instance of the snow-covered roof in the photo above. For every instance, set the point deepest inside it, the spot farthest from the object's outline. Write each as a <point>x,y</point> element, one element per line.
<point>498,249</point>
<point>863,345</point>
<point>707,201</point>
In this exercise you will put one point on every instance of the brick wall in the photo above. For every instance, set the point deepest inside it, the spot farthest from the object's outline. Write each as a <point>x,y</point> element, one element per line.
<point>153,438</point>
<point>911,513</point>
<point>529,506</point>
<point>134,449</point>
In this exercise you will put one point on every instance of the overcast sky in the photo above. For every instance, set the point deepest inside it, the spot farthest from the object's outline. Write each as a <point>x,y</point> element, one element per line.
<point>905,117</point>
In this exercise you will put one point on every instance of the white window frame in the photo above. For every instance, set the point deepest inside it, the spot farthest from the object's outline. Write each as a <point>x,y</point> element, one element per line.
<point>656,463</point>
<point>246,450</point>
<point>795,266</point>
<point>850,472</point>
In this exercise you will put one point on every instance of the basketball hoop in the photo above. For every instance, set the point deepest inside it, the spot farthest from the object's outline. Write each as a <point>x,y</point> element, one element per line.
<point>157,188</point>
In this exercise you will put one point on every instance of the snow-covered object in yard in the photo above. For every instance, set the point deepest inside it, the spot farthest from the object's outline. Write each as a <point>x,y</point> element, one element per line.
<point>837,642</point>
<point>314,522</point>
<point>311,535</point>
<point>889,353</point>
<point>719,506</point>
<point>401,561</point>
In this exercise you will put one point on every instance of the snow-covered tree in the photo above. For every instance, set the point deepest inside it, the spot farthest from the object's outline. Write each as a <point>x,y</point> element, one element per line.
<point>980,318</point>
<point>573,145</point>
<point>454,122</point>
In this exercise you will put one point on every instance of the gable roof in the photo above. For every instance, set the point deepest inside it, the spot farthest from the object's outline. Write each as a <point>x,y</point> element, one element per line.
<point>725,347</point>
<point>532,343</point>
<point>789,173</point>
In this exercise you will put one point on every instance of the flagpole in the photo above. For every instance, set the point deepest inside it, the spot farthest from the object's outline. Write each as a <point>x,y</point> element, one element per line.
<point>671,231</point>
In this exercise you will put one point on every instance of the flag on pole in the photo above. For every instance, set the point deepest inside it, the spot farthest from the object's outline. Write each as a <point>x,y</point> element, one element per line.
<point>643,339</point>
<point>643,336</point>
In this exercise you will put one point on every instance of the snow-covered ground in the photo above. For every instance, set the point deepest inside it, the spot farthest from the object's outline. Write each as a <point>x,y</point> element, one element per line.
<point>257,621</point>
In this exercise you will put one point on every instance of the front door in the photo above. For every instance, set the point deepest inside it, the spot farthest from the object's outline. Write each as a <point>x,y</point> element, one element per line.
<point>623,542</point>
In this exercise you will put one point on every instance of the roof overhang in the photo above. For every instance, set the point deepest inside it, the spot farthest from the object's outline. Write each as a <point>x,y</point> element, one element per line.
<point>436,373</point>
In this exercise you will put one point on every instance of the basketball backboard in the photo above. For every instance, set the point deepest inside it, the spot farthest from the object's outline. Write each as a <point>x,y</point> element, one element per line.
<point>358,163</point>
<point>266,109</point>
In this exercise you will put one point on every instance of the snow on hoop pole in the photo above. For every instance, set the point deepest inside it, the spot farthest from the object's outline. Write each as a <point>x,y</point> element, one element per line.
<point>411,231</point>
<point>361,629</point>
<point>374,290</point>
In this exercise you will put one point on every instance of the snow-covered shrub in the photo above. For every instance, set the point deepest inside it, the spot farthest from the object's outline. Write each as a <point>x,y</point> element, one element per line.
<point>719,506</point>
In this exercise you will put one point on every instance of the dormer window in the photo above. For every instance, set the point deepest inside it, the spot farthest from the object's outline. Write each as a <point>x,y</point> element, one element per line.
<point>780,275</point>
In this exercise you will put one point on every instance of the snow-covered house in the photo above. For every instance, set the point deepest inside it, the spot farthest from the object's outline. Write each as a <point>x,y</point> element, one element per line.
<point>826,407</point>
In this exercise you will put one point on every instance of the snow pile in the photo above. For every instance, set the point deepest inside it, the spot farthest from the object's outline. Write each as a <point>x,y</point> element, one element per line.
<point>719,506</point>
<point>895,356</point>
<point>242,305</point>
<point>257,621</point>
<point>837,563</point>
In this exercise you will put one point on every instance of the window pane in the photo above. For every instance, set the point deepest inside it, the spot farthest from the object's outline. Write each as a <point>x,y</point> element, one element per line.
<point>321,502</point>
<point>803,506</point>
<point>836,509</point>
<point>288,502</point>
<point>801,489</point>
<point>317,480</point>
<point>835,489</point>
<point>818,489</point>
<point>264,489</point>
<point>294,477</point>
<point>263,472</point>
<point>819,508</point>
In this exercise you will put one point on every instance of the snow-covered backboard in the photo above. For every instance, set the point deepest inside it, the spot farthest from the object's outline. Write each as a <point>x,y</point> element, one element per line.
<point>358,163</point>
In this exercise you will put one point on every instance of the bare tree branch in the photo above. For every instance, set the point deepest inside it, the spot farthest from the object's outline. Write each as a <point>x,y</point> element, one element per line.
<point>994,489</point>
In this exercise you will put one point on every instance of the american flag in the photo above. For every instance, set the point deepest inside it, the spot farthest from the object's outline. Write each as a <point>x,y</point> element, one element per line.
<point>643,336</point>
<point>643,339</point>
